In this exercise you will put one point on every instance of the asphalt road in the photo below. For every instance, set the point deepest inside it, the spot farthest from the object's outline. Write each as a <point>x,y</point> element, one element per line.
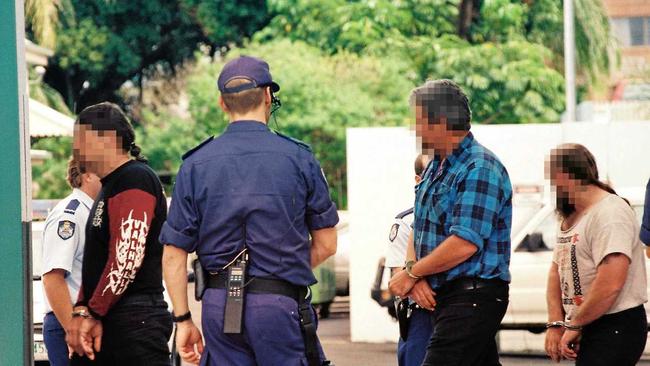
<point>334,334</point>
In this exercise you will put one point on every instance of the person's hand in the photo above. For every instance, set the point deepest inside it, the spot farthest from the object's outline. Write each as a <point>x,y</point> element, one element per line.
<point>552,343</point>
<point>569,344</point>
<point>90,335</point>
<point>401,283</point>
<point>423,295</point>
<point>72,334</point>
<point>189,342</point>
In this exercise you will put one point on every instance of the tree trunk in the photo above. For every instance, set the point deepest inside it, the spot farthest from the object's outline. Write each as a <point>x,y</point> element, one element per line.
<point>468,13</point>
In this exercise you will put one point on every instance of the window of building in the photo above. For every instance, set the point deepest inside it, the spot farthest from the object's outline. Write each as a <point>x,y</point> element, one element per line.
<point>632,31</point>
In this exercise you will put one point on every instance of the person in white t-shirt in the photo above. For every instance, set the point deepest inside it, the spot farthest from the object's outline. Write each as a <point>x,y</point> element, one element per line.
<point>63,247</point>
<point>597,281</point>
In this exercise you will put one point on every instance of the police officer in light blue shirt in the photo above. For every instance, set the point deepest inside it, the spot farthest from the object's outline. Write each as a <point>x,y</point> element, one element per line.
<point>414,321</point>
<point>248,202</point>
<point>62,255</point>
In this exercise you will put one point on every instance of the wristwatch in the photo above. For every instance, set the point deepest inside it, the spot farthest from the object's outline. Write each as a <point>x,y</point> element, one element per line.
<point>409,270</point>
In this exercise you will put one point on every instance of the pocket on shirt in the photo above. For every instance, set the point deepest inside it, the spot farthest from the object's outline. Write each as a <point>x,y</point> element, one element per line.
<point>439,206</point>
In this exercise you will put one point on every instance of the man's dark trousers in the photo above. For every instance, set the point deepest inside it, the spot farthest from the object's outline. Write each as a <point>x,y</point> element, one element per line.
<point>466,319</point>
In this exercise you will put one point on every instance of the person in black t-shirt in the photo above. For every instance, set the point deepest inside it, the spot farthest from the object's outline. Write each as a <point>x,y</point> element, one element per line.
<point>121,316</point>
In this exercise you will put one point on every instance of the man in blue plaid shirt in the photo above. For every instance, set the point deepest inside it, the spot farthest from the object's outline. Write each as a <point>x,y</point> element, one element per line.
<point>463,214</point>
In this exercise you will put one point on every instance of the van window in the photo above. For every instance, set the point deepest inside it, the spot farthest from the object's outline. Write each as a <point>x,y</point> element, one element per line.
<point>541,239</point>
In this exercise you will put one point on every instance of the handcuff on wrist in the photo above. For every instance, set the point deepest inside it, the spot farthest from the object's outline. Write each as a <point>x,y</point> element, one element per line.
<point>82,313</point>
<point>576,328</point>
<point>555,324</point>
<point>408,266</point>
<point>565,325</point>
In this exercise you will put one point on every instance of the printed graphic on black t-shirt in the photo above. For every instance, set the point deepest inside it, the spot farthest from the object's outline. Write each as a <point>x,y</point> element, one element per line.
<point>122,254</point>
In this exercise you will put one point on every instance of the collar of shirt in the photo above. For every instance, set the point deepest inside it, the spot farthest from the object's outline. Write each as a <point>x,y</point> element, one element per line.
<point>465,144</point>
<point>246,125</point>
<point>83,197</point>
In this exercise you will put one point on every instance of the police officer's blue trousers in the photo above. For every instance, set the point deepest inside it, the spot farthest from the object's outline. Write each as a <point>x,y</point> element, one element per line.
<point>271,336</point>
<point>411,352</point>
<point>54,338</point>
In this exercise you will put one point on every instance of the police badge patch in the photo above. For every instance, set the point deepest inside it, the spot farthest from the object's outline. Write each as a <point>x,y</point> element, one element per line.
<point>66,229</point>
<point>393,232</point>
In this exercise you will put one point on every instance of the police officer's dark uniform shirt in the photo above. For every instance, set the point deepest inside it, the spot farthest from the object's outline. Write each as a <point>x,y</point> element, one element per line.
<point>122,254</point>
<point>250,179</point>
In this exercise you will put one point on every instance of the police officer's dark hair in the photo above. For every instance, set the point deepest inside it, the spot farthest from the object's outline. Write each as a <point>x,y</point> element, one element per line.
<point>109,117</point>
<point>243,101</point>
<point>443,99</point>
<point>419,164</point>
<point>75,172</point>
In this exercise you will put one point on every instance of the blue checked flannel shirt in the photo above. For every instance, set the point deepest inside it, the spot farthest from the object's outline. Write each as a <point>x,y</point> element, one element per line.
<point>468,195</point>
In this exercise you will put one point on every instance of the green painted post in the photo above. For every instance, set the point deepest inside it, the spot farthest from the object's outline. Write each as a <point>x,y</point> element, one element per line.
<point>15,197</point>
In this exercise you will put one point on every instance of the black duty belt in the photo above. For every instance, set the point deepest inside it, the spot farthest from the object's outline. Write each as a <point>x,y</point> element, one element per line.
<point>470,283</point>
<point>260,285</point>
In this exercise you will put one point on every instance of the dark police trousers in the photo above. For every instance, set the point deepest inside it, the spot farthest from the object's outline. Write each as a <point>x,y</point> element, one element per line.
<point>614,339</point>
<point>54,338</point>
<point>466,322</point>
<point>136,332</point>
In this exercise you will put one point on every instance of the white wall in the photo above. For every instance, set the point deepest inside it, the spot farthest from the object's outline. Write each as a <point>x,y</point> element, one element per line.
<point>380,185</point>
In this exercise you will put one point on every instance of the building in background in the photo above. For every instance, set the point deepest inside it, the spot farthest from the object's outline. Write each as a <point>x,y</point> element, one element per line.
<point>630,20</point>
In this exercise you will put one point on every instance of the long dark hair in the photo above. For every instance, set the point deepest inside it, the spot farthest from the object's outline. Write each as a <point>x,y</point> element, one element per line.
<point>109,117</point>
<point>577,161</point>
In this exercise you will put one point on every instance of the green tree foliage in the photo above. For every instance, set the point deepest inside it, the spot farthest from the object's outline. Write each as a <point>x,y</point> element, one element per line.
<point>103,44</point>
<point>50,175</point>
<point>321,96</point>
<point>506,82</point>
<point>521,37</point>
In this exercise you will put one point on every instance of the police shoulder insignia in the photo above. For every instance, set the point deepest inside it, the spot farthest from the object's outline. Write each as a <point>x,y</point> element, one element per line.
<point>66,229</point>
<point>71,207</point>
<point>197,147</point>
<point>393,232</point>
<point>302,144</point>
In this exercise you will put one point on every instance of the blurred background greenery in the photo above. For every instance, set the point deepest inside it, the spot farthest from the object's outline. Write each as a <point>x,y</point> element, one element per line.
<point>340,63</point>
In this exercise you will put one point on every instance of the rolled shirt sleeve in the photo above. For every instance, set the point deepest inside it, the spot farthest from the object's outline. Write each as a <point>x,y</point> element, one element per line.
<point>181,227</point>
<point>645,223</point>
<point>321,211</point>
<point>477,206</point>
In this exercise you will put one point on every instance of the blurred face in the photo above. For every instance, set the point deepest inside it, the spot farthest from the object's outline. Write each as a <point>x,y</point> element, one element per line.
<point>433,136</point>
<point>93,148</point>
<point>564,185</point>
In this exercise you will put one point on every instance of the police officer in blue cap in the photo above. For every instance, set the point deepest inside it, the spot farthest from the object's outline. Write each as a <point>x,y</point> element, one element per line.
<point>255,206</point>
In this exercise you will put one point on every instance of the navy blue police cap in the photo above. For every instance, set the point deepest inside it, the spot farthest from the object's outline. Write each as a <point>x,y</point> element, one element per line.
<point>246,67</point>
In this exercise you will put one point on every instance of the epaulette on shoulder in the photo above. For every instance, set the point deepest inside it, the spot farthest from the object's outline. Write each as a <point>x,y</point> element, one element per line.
<point>403,214</point>
<point>197,147</point>
<point>302,144</point>
<point>71,208</point>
